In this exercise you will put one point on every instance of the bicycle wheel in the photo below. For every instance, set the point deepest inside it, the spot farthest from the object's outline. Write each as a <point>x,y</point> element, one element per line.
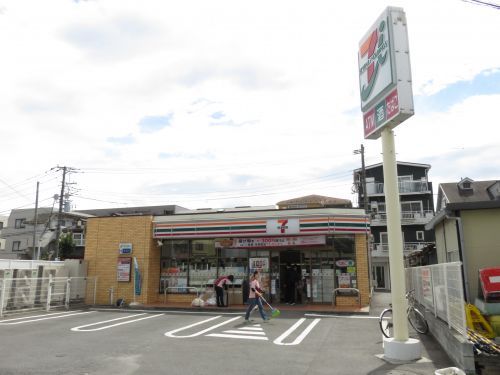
<point>417,320</point>
<point>386,324</point>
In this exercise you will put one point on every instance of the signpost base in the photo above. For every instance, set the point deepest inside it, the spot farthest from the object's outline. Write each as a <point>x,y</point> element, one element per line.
<point>408,350</point>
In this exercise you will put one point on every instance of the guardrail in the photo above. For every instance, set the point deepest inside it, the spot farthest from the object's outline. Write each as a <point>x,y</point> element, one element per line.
<point>336,290</point>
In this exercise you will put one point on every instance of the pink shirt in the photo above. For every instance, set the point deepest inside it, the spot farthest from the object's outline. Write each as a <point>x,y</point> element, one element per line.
<point>221,281</point>
<point>254,284</point>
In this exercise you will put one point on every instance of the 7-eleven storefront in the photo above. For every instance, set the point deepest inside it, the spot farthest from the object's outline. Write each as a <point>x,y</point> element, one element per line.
<point>315,250</point>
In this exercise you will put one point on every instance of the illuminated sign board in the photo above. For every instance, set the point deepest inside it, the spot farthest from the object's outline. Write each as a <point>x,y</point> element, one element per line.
<point>384,74</point>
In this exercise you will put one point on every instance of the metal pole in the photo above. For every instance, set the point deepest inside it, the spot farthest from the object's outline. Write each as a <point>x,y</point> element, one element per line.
<point>35,223</point>
<point>2,297</point>
<point>395,237</point>
<point>363,177</point>
<point>58,231</point>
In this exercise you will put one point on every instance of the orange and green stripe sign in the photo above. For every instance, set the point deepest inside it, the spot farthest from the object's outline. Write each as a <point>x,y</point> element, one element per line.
<point>210,229</point>
<point>246,228</point>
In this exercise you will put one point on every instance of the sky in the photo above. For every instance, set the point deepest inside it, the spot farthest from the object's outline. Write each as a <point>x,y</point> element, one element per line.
<point>230,103</point>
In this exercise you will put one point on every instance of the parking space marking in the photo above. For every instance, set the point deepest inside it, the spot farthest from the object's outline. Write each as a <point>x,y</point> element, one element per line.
<point>343,316</point>
<point>45,318</point>
<point>81,328</point>
<point>247,333</point>
<point>298,340</point>
<point>37,316</point>
<point>173,333</point>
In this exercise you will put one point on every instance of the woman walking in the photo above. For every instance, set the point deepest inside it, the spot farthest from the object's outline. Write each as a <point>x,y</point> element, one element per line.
<point>254,297</point>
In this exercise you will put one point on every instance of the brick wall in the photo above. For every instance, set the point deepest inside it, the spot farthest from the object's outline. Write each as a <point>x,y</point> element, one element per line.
<point>103,237</point>
<point>363,273</point>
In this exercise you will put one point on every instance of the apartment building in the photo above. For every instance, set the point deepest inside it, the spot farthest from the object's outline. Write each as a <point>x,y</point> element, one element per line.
<point>417,209</point>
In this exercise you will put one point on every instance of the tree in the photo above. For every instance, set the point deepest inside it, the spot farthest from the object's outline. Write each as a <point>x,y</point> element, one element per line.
<point>66,245</point>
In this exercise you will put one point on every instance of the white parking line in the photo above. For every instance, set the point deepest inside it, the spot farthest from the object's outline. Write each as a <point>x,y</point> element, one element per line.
<point>37,316</point>
<point>343,316</point>
<point>244,332</point>
<point>237,336</point>
<point>47,318</point>
<point>172,333</point>
<point>298,340</point>
<point>79,329</point>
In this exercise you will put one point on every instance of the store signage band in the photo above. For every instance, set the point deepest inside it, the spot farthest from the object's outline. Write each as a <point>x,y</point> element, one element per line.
<point>267,227</point>
<point>278,241</point>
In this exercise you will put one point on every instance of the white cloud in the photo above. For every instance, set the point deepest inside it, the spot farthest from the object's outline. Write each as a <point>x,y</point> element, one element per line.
<point>76,75</point>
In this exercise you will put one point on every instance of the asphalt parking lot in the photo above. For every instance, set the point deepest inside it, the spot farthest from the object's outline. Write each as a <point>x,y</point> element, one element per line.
<point>177,342</point>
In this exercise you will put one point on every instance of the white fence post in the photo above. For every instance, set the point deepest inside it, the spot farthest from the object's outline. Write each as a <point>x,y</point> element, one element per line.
<point>2,297</point>
<point>49,292</point>
<point>68,291</point>
<point>447,296</point>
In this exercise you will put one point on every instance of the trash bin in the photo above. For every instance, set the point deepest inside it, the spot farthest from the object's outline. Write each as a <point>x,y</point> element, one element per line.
<point>449,371</point>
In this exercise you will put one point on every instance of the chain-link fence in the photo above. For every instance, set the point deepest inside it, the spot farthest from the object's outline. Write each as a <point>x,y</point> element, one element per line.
<point>440,289</point>
<point>18,294</point>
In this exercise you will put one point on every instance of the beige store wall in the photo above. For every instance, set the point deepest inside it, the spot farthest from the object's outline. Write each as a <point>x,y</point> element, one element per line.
<point>361,243</point>
<point>103,238</point>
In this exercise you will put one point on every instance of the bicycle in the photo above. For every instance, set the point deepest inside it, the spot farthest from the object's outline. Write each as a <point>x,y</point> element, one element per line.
<point>415,317</point>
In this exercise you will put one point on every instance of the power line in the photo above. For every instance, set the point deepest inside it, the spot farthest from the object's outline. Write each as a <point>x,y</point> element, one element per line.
<point>485,3</point>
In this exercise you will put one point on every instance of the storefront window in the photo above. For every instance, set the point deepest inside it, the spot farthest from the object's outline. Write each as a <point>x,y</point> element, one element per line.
<point>174,266</point>
<point>234,262</point>
<point>202,263</point>
<point>345,262</point>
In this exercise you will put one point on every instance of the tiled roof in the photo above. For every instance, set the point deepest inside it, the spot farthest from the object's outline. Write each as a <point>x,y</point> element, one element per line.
<point>479,192</point>
<point>315,199</point>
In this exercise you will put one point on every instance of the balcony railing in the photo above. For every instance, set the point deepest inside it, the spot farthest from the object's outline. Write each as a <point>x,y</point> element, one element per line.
<point>407,217</point>
<point>404,187</point>
<point>383,247</point>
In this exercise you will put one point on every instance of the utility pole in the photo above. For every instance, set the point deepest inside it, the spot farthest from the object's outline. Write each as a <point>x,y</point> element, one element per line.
<point>363,176</point>
<point>61,197</point>
<point>35,222</point>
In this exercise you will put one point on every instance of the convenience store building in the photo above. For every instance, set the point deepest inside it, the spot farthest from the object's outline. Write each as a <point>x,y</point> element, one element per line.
<point>183,253</point>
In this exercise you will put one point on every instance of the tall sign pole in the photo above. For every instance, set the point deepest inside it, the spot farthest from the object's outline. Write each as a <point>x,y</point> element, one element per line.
<point>386,101</point>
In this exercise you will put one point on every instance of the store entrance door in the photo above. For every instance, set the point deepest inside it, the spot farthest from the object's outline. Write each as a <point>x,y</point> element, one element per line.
<point>379,277</point>
<point>292,269</point>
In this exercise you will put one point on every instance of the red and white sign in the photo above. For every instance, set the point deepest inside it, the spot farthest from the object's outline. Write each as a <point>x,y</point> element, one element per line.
<point>283,226</point>
<point>123,269</point>
<point>344,263</point>
<point>278,241</point>
<point>385,74</point>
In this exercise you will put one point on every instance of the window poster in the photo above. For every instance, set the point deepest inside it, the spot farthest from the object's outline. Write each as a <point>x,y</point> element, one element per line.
<point>344,280</point>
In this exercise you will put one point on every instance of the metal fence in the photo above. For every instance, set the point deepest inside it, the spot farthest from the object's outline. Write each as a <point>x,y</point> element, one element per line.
<point>18,294</point>
<point>439,288</point>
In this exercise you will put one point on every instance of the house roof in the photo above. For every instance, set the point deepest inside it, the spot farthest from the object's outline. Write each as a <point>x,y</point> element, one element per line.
<point>316,199</point>
<point>479,192</point>
<point>137,211</point>
<point>457,198</point>
<point>427,166</point>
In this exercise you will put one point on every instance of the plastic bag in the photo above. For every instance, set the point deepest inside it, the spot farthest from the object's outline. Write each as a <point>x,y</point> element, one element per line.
<point>211,301</point>
<point>198,302</point>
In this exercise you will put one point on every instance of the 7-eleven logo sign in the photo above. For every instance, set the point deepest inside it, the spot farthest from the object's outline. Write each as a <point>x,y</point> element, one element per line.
<point>283,226</point>
<point>373,54</point>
